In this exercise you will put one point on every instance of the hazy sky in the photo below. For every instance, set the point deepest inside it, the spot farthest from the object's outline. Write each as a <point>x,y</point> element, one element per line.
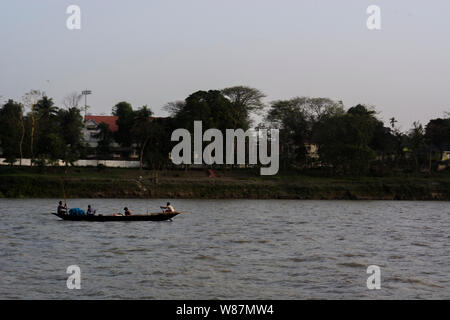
<point>153,52</point>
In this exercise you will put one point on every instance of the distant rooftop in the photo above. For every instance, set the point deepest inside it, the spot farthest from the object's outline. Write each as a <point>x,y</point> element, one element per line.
<point>109,120</point>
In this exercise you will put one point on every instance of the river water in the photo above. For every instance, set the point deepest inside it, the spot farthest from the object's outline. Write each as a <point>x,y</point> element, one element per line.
<point>228,249</point>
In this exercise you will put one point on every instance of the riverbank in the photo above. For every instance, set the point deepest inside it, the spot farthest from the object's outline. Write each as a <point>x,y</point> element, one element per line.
<point>236,184</point>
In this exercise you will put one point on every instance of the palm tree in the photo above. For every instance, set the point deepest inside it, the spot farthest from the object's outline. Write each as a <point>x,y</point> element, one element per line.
<point>46,108</point>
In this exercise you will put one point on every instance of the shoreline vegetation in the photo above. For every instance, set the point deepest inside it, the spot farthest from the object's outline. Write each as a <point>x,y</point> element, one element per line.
<point>53,182</point>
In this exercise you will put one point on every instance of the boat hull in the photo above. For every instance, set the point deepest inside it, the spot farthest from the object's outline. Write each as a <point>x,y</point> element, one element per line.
<point>137,217</point>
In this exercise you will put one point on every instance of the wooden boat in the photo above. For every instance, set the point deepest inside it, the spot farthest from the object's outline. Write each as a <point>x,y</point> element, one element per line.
<point>135,217</point>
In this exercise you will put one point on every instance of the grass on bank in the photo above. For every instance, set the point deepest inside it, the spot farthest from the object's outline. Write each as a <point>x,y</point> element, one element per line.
<point>92,182</point>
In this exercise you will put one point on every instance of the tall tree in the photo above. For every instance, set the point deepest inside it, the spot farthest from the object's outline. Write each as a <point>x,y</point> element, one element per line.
<point>175,107</point>
<point>437,134</point>
<point>245,101</point>
<point>49,142</point>
<point>291,120</point>
<point>156,154</point>
<point>141,130</point>
<point>125,114</point>
<point>105,137</point>
<point>297,120</point>
<point>383,140</point>
<point>416,143</point>
<point>344,140</point>
<point>212,108</point>
<point>30,99</point>
<point>71,125</point>
<point>11,130</point>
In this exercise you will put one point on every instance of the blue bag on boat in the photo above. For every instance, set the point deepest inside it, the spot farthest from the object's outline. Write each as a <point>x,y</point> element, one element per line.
<point>76,212</point>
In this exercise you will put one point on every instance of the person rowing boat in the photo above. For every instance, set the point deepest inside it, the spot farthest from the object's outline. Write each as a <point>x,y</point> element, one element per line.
<point>62,209</point>
<point>90,211</point>
<point>127,211</point>
<point>168,208</point>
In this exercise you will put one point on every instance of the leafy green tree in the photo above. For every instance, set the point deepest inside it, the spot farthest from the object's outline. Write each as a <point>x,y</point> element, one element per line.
<point>156,153</point>
<point>316,109</point>
<point>344,140</point>
<point>386,145</point>
<point>46,109</point>
<point>175,107</point>
<point>298,119</point>
<point>125,121</point>
<point>210,107</point>
<point>70,123</point>
<point>142,130</point>
<point>437,134</point>
<point>245,100</point>
<point>12,130</point>
<point>383,141</point>
<point>399,143</point>
<point>290,118</point>
<point>416,143</point>
<point>49,143</point>
<point>105,136</point>
<point>54,150</point>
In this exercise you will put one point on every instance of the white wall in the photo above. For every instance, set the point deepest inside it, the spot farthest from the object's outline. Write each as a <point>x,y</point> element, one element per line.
<point>85,163</point>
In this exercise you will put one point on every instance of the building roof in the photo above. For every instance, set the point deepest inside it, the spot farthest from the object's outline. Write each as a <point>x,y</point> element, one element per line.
<point>110,120</point>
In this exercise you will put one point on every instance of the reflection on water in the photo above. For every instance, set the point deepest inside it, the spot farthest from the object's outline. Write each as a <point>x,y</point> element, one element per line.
<point>228,249</point>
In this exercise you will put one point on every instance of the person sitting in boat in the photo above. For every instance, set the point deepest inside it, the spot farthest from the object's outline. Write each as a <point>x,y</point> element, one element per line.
<point>169,208</point>
<point>90,211</point>
<point>127,212</point>
<point>62,209</point>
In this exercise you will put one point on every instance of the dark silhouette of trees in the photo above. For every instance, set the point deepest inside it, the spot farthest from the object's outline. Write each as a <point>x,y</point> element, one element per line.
<point>125,114</point>
<point>105,136</point>
<point>142,130</point>
<point>70,124</point>
<point>245,100</point>
<point>416,144</point>
<point>291,119</point>
<point>12,130</point>
<point>437,134</point>
<point>355,141</point>
<point>211,107</point>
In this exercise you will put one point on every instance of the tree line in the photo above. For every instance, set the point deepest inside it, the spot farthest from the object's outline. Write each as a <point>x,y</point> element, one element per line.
<point>36,129</point>
<point>314,132</point>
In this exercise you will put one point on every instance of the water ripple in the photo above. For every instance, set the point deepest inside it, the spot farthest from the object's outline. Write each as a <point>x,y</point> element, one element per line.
<point>226,249</point>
